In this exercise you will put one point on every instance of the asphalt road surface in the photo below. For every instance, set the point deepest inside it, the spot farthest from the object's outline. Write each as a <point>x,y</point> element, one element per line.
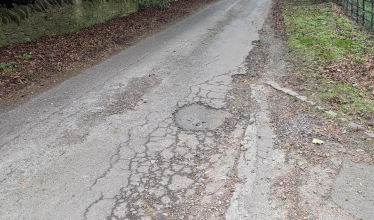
<point>171,128</point>
<point>141,135</point>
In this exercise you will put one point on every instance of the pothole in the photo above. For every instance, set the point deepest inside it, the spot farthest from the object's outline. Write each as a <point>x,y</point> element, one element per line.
<point>197,117</point>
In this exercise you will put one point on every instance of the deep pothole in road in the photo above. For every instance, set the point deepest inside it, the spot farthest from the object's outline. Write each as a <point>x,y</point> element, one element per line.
<point>198,117</point>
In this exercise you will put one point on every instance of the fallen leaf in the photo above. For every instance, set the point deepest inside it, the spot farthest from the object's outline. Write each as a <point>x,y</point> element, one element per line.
<point>22,182</point>
<point>317,141</point>
<point>356,159</point>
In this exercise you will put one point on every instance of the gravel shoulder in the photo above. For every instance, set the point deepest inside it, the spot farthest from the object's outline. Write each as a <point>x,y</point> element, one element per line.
<point>306,180</point>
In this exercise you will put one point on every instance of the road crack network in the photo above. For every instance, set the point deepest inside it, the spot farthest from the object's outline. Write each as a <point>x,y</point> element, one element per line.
<point>177,173</point>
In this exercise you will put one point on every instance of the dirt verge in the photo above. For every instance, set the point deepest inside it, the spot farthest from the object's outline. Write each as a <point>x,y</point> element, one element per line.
<point>305,184</point>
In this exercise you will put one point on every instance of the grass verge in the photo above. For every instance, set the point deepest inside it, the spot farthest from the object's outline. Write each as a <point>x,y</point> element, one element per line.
<point>331,58</point>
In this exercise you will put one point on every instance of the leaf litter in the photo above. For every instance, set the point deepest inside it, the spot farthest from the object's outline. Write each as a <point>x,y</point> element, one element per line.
<point>28,67</point>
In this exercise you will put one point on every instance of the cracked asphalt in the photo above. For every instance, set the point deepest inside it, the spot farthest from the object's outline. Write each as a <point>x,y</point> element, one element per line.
<point>152,133</point>
<point>183,125</point>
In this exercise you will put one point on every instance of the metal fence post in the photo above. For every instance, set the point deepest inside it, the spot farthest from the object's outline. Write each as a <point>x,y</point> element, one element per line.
<point>357,16</point>
<point>372,8</point>
<point>363,12</point>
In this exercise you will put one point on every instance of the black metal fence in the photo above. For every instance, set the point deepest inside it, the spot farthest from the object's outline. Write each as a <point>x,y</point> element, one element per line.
<point>362,11</point>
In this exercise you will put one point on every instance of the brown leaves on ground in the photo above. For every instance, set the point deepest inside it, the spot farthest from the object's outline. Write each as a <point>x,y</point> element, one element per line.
<point>52,55</point>
<point>277,17</point>
<point>360,76</point>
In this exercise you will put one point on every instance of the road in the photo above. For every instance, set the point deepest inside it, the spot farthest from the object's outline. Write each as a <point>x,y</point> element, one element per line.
<point>184,125</point>
<point>151,131</point>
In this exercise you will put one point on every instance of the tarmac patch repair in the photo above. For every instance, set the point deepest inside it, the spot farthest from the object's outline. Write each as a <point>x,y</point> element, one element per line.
<point>198,117</point>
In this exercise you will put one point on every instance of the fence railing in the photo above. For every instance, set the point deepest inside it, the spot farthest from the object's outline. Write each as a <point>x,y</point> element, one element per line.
<point>362,11</point>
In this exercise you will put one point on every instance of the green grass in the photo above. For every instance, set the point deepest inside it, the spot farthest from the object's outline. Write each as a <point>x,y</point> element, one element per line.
<point>26,56</point>
<point>7,67</point>
<point>347,97</point>
<point>318,31</point>
<point>318,37</point>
